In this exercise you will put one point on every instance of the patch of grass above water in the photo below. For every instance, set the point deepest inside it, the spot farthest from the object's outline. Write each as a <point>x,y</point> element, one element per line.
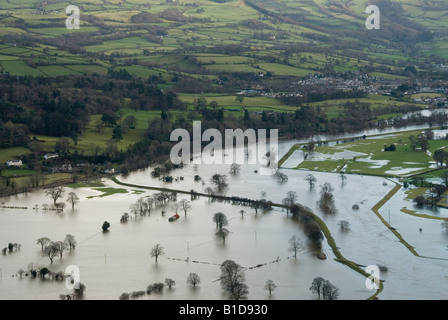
<point>375,161</point>
<point>90,184</point>
<point>108,191</point>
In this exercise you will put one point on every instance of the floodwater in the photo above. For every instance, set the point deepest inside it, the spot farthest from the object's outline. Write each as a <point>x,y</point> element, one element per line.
<point>119,261</point>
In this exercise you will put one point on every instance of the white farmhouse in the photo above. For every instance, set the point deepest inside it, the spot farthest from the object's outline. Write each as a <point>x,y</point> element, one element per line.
<point>14,163</point>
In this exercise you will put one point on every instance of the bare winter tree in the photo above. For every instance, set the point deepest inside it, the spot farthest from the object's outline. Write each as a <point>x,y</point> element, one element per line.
<point>295,245</point>
<point>193,279</point>
<point>72,199</point>
<point>280,176</point>
<point>311,180</point>
<point>43,242</point>
<point>175,207</point>
<point>185,205</point>
<point>55,193</point>
<point>51,251</point>
<point>316,285</point>
<point>219,181</point>
<point>234,168</point>
<point>61,246</point>
<point>170,282</point>
<point>326,201</point>
<point>292,196</point>
<point>70,240</point>
<point>270,286</point>
<point>329,291</point>
<point>223,233</point>
<point>233,280</point>
<point>139,208</point>
<point>156,251</point>
<point>220,219</point>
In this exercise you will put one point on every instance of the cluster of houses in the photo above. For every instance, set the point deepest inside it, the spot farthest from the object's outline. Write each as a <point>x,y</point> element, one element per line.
<point>361,82</point>
<point>432,101</point>
<point>18,162</point>
<point>65,167</point>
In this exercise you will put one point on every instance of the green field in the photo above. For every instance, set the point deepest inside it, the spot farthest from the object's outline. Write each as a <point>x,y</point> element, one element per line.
<point>215,24</point>
<point>367,156</point>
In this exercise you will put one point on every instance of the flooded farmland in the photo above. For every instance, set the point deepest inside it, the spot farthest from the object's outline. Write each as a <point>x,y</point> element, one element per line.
<point>119,261</point>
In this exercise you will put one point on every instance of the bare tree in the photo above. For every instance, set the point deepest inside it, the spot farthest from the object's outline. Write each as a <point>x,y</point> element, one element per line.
<point>55,193</point>
<point>329,291</point>
<point>295,245</point>
<point>220,181</point>
<point>139,208</point>
<point>156,251</point>
<point>281,177</point>
<point>233,280</point>
<point>270,286</point>
<point>221,220</point>
<point>72,199</point>
<point>223,233</point>
<point>170,282</point>
<point>185,205</point>
<point>316,285</point>
<point>234,168</point>
<point>289,200</point>
<point>61,246</point>
<point>193,279</point>
<point>326,201</point>
<point>70,240</point>
<point>292,196</point>
<point>175,207</point>
<point>51,251</point>
<point>43,242</point>
<point>311,180</point>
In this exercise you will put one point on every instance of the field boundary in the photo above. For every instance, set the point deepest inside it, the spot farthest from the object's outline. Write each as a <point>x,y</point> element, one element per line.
<point>381,203</point>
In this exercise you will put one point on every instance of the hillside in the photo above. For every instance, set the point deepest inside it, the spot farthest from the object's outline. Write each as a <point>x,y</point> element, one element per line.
<point>133,71</point>
<point>205,39</point>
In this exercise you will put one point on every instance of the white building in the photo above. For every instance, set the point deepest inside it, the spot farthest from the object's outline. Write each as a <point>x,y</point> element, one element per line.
<point>50,155</point>
<point>14,163</point>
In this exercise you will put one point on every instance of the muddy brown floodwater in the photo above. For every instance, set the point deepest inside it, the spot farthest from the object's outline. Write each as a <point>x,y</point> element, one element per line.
<point>119,261</point>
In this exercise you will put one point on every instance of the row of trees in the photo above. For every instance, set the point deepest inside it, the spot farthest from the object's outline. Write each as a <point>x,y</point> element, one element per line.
<point>57,192</point>
<point>12,247</point>
<point>143,206</point>
<point>193,279</point>
<point>323,287</point>
<point>52,249</point>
